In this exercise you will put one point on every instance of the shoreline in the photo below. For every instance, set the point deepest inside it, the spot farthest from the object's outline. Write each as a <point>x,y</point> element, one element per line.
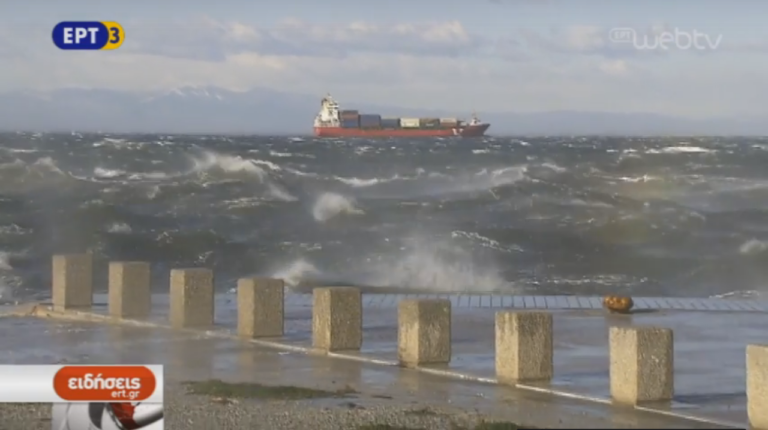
<point>384,394</point>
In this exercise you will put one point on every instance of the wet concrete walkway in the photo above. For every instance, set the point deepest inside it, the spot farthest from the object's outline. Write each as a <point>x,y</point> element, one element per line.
<point>190,356</point>
<point>709,348</point>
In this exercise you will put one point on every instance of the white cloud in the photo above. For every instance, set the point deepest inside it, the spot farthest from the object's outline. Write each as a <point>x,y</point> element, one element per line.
<point>210,40</point>
<point>614,67</point>
<point>584,38</point>
<point>422,64</point>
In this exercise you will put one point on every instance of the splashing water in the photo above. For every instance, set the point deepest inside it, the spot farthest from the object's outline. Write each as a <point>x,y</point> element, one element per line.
<point>330,205</point>
<point>435,266</point>
<point>119,228</point>
<point>753,246</point>
<point>440,267</point>
<point>6,291</point>
<point>280,194</point>
<point>227,163</point>
<point>297,271</point>
<point>642,215</point>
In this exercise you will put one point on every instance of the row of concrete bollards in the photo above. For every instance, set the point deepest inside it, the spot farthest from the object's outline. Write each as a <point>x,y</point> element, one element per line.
<point>641,358</point>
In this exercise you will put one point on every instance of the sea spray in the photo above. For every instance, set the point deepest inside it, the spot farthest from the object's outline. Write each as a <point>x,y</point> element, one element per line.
<point>330,205</point>
<point>418,264</point>
<point>753,246</point>
<point>212,162</point>
<point>436,266</point>
<point>296,271</point>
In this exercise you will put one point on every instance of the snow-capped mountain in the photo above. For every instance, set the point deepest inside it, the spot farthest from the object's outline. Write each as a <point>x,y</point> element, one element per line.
<point>192,92</point>
<point>208,109</point>
<point>185,109</point>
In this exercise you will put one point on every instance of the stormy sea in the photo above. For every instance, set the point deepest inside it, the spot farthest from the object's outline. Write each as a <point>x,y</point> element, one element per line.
<point>544,215</point>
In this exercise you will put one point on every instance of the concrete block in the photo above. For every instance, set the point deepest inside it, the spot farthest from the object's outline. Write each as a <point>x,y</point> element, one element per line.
<point>424,332</point>
<point>72,282</point>
<point>191,298</point>
<point>757,386</point>
<point>642,364</point>
<point>524,347</point>
<point>129,289</point>
<point>337,319</point>
<point>260,305</point>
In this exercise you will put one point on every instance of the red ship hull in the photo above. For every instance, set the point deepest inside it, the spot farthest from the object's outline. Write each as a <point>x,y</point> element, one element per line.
<point>463,131</point>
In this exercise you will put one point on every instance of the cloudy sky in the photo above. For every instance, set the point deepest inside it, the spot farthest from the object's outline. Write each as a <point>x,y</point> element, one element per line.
<point>502,55</point>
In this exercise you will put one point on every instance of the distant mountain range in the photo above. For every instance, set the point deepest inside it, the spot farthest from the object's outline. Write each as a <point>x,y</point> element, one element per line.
<point>264,111</point>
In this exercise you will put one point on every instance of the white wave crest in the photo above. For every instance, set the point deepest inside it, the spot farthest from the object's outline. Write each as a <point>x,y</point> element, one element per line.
<point>330,205</point>
<point>439,267</point>
<point>119,228</point>
<point>280,154</point>
<point>268,164</point>
<point>295,272</point>
<point>279,193</point>
<point>483,241</point>
<point>362,183</point>
<point>103,173</point>
<point>212,161</point>
<point>435,266</point>
<point>227,163</point>
<point>753,246</point>
<point>5,258</point>
<point>681,150</point>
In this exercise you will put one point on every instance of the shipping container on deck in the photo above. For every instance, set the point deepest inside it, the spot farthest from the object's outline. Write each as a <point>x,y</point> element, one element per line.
<point>370,121</point>
<point>449,122</point>
<point>429,122</point>
<point>409,122</point>
<point>349,115</point>
<point>350,123</point>
<point>390,123</point>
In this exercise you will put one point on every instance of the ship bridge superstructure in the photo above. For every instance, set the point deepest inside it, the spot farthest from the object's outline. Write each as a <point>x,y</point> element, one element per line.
<point>475,121</point>
<point>329,113</point>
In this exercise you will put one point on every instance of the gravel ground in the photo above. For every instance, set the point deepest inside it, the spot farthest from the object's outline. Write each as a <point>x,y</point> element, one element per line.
<point>354,412</point>
<point>351,411</point>
<point>342,407</point>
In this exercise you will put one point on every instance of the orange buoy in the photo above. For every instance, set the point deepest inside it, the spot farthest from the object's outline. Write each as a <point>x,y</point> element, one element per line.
<point>618,304</point>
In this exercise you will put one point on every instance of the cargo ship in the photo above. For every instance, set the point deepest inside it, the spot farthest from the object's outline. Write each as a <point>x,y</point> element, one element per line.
<point>331,121</point>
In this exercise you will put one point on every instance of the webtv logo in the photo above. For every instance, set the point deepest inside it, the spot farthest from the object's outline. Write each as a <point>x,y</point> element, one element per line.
<point>88,35</point>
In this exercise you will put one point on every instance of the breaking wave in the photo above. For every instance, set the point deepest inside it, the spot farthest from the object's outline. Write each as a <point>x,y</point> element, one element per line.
<point>422,265</point>
<point>330,205</point>
<point>541,215</point>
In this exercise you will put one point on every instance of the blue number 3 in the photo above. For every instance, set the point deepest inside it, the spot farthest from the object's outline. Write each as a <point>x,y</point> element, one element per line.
<point>115,35</point>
